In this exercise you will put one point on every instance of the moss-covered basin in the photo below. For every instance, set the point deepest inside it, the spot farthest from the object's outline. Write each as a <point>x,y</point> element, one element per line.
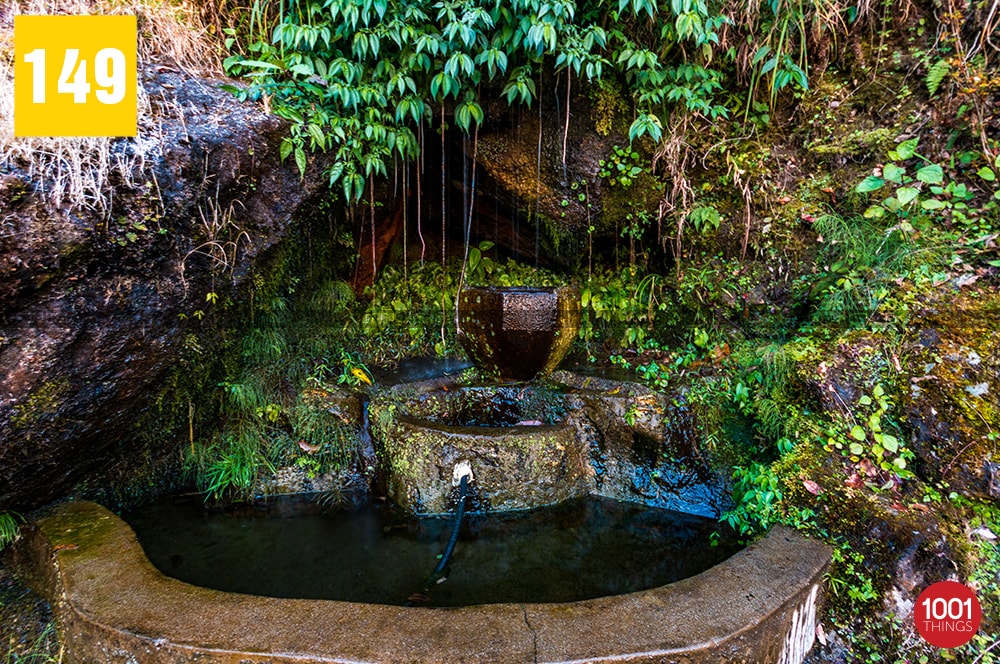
<point>112,605</point>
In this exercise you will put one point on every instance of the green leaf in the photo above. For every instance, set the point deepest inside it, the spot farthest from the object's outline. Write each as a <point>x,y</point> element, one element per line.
<point>267,66</point>
<point>317,135</point>
<point>933,204</point>
<point>905,150</point>
<point>857,433</point>
<point>931,174</point>
<point>300,161</point>
<point>646,124</point>
<point>865,400</point>
<point>870,183</point>
<point>336,171</point>
<point>893,173</point>
<point>874,212</point>
<point>890,443</point>
<point>286,148</point>
<point>906,195</point>
<point>856,449</point>
<point>986,174</point>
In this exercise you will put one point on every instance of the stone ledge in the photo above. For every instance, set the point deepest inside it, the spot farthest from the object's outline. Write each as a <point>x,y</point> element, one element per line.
<point>112,605</point>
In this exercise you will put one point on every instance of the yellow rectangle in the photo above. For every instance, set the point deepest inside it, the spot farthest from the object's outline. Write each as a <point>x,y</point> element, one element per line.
<point>75,75</point>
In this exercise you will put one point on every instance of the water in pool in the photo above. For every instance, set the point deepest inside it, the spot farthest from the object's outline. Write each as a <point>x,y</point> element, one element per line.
<point>576,550</point>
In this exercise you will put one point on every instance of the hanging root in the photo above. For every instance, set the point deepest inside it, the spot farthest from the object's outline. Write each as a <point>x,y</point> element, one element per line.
<point>678,198</point>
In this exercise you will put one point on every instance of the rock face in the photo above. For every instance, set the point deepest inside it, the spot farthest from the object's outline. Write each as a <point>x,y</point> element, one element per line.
<point>952,400</point>
<point>94,308</point>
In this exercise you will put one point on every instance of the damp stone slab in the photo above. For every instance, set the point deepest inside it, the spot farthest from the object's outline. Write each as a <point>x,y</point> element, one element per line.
<point>112,605</point>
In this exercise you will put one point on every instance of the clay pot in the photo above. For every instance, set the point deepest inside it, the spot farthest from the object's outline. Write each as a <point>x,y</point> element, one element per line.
<point>518,333</point>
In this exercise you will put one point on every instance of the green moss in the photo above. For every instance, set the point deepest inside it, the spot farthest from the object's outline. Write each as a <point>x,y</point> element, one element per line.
<point>857,143</point>
<point>42,404</point>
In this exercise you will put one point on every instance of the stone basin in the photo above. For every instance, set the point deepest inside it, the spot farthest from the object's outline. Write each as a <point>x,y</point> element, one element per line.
<point>111,605</point>
<point>537,444</point>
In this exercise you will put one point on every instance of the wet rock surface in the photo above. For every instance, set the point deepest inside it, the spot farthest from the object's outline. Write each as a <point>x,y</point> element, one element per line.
<point>96,308</point>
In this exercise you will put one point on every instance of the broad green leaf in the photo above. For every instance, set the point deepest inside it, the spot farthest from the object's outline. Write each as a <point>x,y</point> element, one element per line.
<point>893,173</point>
<point>906,149</point>
<point>336,171</point>
<point>286,148</point>
<point>899,462</point>
<point>906,195</point>
<point>875,212</point>
<point>931,174</point>
<point>865,400</point>
<point>933,204</point>
<point>986,174</point>
<point>870,183</point>
<point>317,135</point>
<point>856,449</point>
<point>857,433</point>
<point>890,443</point>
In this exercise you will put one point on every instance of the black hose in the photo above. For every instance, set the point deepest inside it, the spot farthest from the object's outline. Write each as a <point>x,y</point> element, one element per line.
<point>438,573</point>
<point>463,491</point>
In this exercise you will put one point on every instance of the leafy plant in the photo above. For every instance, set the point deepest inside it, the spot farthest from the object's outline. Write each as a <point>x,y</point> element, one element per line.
<point>10,529</point>
<point>704,218</point>
<point>622,307</point>
<point>928,193</point>
<point>760,502</point>
<point>907,189</point>
<point>233,468</point>
<point>353,371</point>
<point>621,167</point>
<point>361,78</point>
<point>878,458</point>
<point>850,581</point>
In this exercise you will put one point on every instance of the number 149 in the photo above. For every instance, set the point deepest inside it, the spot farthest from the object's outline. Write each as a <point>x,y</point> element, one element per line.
<point>109,74</point>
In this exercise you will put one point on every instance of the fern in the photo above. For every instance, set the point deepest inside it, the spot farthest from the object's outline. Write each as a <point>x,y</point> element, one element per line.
<point>936,74</point>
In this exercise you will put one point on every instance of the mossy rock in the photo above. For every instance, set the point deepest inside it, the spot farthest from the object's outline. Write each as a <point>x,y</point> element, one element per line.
<point>838,376</point>
<point>952,402</point>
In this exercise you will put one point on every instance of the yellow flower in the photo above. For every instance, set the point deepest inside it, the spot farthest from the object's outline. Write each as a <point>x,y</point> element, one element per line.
<point>360,374</point>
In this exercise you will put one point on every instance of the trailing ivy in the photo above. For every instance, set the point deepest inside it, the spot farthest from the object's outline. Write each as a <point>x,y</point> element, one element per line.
<point>359,78</point>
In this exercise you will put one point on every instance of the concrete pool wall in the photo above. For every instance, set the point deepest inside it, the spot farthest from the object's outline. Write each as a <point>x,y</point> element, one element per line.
<point>112,605</point>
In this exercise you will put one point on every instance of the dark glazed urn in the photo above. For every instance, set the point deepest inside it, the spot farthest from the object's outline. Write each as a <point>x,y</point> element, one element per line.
<point>518,333</point>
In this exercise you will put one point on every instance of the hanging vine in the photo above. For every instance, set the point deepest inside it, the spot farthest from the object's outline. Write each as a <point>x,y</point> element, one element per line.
<point>359,78</point>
